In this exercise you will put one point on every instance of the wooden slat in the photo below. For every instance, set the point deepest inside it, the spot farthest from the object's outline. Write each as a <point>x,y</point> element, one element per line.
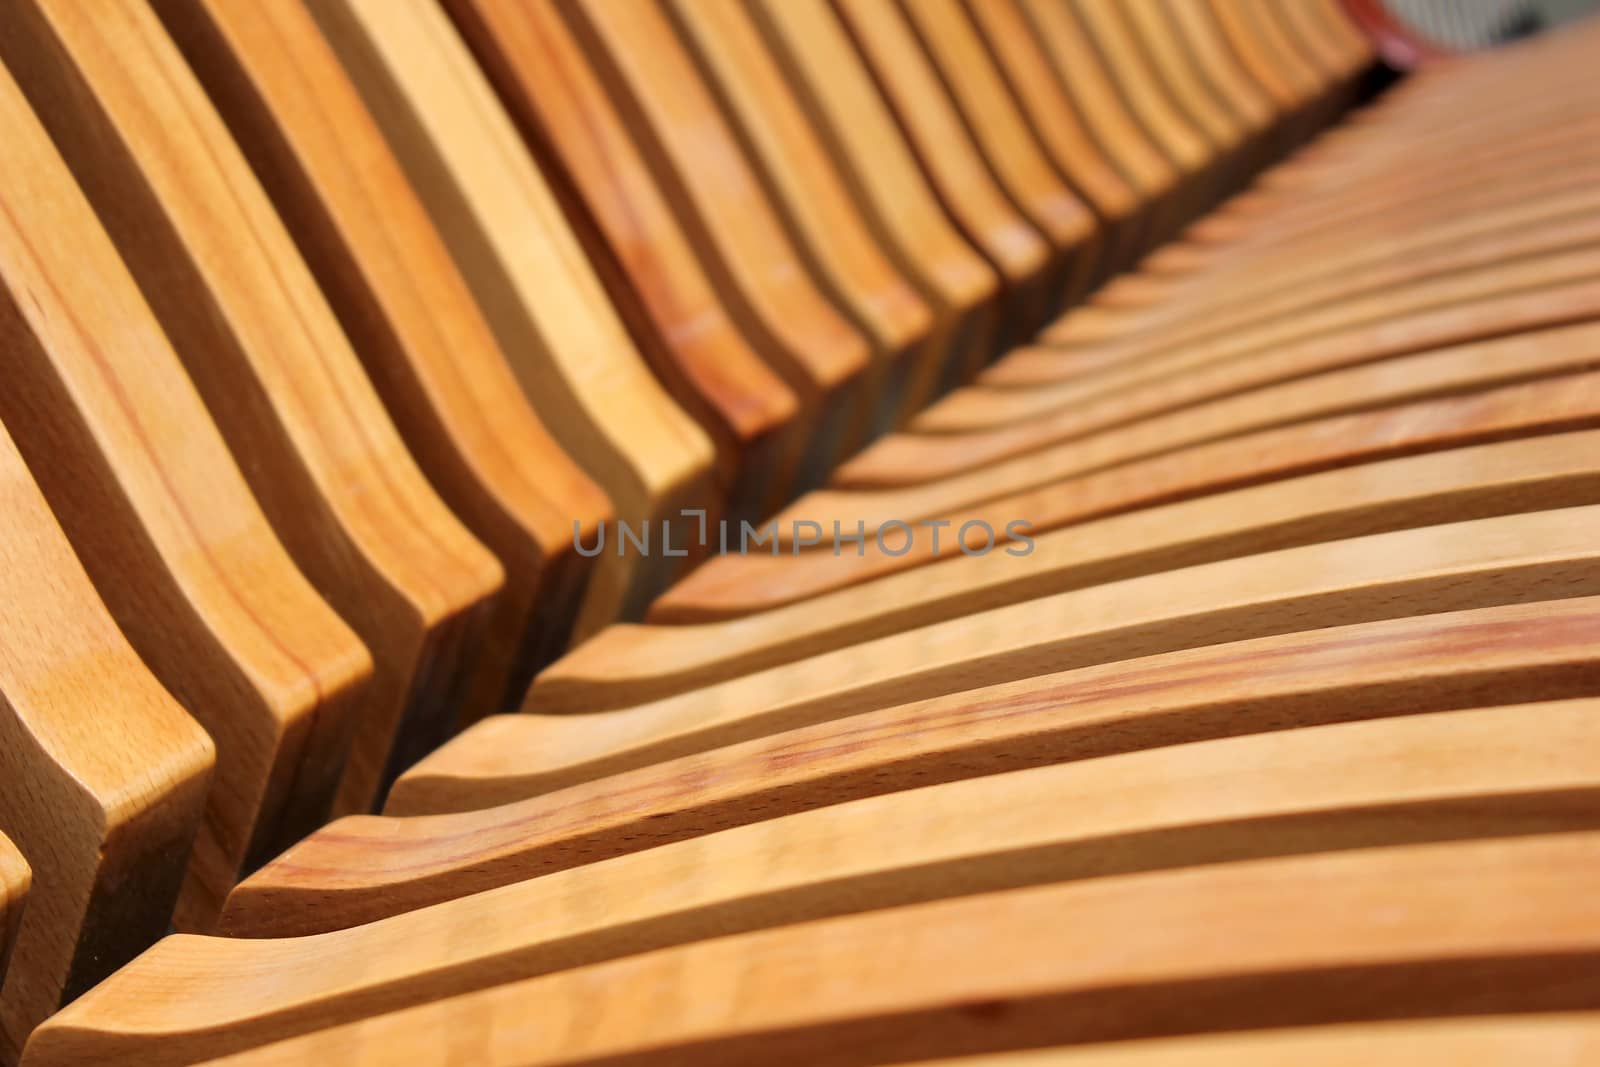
<point>104,776</point>
<point>529,275</point>
<point>16,878</point>
<point>842,102</point>
<point>760,420</point>
<point>161,518</point>
<point>410,317</point>
<point>674,117</point>
<point>1425,402</point>
<point>1342,674</point>
<point>1365,319</point>
<point>911,86</point>
<point>1008,146</point>
<point>1480,773</point>
<point>807,186</point>
<point>1561,1039</point>
<point>1169,130</point>
<point>1061,131</point>
<point>1102,109</point>
<point>1363,935</point>
<point>626,665</point>
<point>1511,559</point>
<point>262,346</point>
<point>1274,282</point>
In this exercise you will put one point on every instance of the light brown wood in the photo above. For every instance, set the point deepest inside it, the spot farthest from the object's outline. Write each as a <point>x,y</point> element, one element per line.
<point>1244,439</point>
<point>289,395</point>
<point>1560,1039</point>
<point>1271,943</point>
<point>1163,121</point>
<point>410,317</point>
<point>1105,113</point>
<point>16,878</point>
<point>998,129</point>
<point>676,308</point>
<point>1474,773</point>
<point>1510,559</point>
<point>103,777</point>
<point>910,85</point>
<point>1369,316</point>
<point>882,172</point>
<point>1172,310</point>
<point>1186,87</point>
<point>732,588</point>
<point>806,185</point>
<point>1061,131</point>
<point>162,520</point>
<point>1338,674</point>
<point>529,274</point>
<point>625,665</point>
<point>702,167</point>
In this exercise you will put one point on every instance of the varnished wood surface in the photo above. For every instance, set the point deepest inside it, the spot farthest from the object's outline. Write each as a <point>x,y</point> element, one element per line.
<point>966,186</point>
<point>1403,931</point>
<point>1061,132</point>
<point>1560,1039</point>
<point>105,776</point>
<point>1509,559</point>
<point>161,518</point>
<point>842,101</point>
<point>1009,147</point>
<point>410,317</point>
<point>1552,195</point>
<point>1419,403</point>
<point>624,665</point>
<point>1102,418</point>
<point>685,326</point>
<point>1338,674</point>
<point>806,185</point>
<point>1366,317</point>
<point>1399,780</point>
<point>528,272</point>
<point>256,336</point>
<point>16,878</point>
<point>703,169</point>
<point>1310,499</point>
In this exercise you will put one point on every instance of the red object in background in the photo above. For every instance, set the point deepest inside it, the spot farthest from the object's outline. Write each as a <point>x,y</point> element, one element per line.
<point>1399,45</point>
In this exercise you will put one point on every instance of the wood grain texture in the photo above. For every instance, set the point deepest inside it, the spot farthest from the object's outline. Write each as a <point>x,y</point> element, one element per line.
<point>1016,158</point>
<point>289,395</point>
<point>16,878</point>
<point>676,308</point>
<point>1509,559</point>
<point>625,665</point>
<point>161,518</point>
<point>1420,403</point>
<point>699,163</point>
<point>388,276</point>
<point>1478,773</point>
<point>881,169</point>
<point>1061,132</point>
<point>1363,935</point>
<point>1341,674</point>
<point>1561,1039</point>
<point>808,188</point>
<point>1163,121</point>
<point>529,274</point>
<point>953,163</point>
<point>1362,318</point>
<point>1563,403</point>
<point>103,777</point>
<point>1103,110</point>
<point>1173,309</point>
